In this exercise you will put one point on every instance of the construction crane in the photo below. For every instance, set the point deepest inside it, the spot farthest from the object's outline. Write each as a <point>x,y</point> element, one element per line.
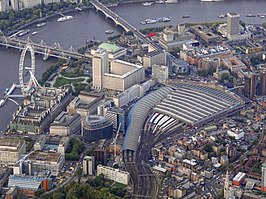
<point>116,136</point>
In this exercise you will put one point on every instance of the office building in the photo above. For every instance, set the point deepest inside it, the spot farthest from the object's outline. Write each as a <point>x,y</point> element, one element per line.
<point>114,74</point>
<point>232,25</point>
<point>96,127</point>
<point>100,153</point>
<point>88,165</point>
<point>39,110</point>
<point>250,84</point>
<point>161,73</point>
<point>154,57</point>
<point>11,150</point>
<point>66,124</point>
<point>45,161</point>
<point>118,117</point>
<point>113,174</point>
<point>40,142</point>
<point>63,145</point>
<point>263,177</point>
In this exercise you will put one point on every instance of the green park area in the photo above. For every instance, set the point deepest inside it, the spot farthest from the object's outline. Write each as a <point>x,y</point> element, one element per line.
<point>61,81</point>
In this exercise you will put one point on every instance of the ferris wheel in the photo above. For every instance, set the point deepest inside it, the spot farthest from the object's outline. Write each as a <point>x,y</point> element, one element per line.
<point>27,85</point>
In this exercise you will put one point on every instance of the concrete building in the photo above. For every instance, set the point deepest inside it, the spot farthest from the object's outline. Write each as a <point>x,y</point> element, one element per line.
<point>7,5</point>
<point>175,37</point>
<point>154,57</point>
<point>114,52</point>
<point>263,177</point>
<point>250,84</point>
<point>39,110</point>
<point>96,127</point>
<point>44,161</point>
<point>197,56</point>
<point>236,133</point>
<point>114,75</point>
<point>233,64</point>
<point>134,92</point>
<point>232,25</point>
<point>161,73</point>
<point>100,152</point>
<point>114,174</point>
<point>118,117</point>
<point>85,104</point>
<point>204,34</point>
<point>88,165</point>
<point>11,150</point>
<point>32,3</point>
<point>63,145</point>
<point>40,142</point>
<point>66,124</point>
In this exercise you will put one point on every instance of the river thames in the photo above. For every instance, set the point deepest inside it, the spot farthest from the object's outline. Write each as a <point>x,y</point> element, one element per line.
<point>90,24</point>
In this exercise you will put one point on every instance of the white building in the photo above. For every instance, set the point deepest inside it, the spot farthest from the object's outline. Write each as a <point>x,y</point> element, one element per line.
<point>11,150</point>
<point>40,142</point>
<point>161,73</point>
<point>232,25</point>
<point>113,174</point>
<point>66,124</point>
<point>114,75</point>
<point>88,165</point>
<point>236,133</point>
<point>132,93</point>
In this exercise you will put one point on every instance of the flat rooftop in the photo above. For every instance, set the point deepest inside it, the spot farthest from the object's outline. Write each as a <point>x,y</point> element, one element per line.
<point>10,144</point>
<point>44,156</point>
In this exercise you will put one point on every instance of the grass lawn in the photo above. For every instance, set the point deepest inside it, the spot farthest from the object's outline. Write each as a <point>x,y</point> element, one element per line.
<point>60,81</point>
<point>71,75</point>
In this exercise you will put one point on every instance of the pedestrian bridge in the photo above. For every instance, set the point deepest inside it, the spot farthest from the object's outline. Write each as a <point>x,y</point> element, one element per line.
<point>41,48</point>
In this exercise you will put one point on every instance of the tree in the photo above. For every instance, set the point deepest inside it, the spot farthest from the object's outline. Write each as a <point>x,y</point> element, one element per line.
<point>79,173</point>
<point>58,195</point>
<point>208,148</point>
<point>11,15</point>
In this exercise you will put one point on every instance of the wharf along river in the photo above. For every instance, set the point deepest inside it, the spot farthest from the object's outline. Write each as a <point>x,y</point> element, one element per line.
<point>90,24</point>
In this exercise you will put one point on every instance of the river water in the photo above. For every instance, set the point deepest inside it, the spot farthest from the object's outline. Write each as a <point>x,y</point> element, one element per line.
<point>90,24</point>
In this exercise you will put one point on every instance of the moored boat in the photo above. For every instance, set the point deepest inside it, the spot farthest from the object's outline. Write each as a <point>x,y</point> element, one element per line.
<point>35,32</point>
<point>109,31</point>
<point>24,32</point>
<point>40,24</point>
<point>64,18</point>
<point>147,3</point>
<point>186,16</point>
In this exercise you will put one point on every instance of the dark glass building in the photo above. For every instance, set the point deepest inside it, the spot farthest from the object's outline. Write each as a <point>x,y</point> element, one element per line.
<point>96,127</point>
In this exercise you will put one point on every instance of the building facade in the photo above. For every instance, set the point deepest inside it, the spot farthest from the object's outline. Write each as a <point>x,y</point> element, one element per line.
<point>65,124</point>
<point>96,127</point>
<point>88,165</point>
<point>11,150</point>
<point>44,161</point>
<point>232,25</point>
<point>114,75</point>
<point>114,174</point>
<point>39,110</point>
